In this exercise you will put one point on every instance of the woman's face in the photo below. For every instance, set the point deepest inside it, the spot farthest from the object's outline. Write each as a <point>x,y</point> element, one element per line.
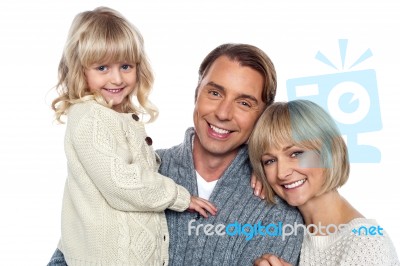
<point>295,174</point>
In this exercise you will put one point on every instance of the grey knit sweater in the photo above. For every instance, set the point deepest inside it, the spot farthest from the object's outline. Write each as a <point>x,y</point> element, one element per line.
<point>233,196</point>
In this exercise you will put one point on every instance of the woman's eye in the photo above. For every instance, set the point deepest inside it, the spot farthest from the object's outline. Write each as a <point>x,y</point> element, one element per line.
<point>268,162</point>
<point>296,154</point>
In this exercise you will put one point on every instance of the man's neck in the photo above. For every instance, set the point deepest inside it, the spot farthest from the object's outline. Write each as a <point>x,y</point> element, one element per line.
<point>210,166</point>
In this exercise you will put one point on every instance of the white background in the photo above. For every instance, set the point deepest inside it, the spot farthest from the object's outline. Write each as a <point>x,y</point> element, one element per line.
<point>178,34</point>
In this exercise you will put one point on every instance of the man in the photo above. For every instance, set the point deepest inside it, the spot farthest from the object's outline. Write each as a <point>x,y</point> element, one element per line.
<point>236,83</point>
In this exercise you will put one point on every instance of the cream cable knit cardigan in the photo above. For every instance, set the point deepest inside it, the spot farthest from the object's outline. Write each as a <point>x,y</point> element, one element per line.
<point>114,199</point>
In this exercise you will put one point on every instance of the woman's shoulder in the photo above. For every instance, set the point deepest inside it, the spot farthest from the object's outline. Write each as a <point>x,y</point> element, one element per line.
<point>360,242</point>
<point>371,241</point>
<point>368,230</point>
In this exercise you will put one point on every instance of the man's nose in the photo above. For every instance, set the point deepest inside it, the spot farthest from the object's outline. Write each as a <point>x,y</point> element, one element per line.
<point>225,110</point>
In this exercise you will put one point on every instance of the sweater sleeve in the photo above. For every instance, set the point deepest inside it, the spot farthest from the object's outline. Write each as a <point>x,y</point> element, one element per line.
<point>128,183</point>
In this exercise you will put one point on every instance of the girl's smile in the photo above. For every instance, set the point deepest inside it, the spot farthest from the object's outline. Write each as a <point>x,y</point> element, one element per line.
<point>114,81</point>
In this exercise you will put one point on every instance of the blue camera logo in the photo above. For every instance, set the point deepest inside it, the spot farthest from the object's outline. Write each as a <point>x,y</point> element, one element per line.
<point>351,98</point>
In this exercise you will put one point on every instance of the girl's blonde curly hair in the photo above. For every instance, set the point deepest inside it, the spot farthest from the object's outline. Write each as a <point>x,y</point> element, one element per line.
<point>102,36</point>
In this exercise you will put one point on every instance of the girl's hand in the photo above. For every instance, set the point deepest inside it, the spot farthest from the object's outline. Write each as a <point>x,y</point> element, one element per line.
<point>270,260</point>
<point>257,186</point>
<point>201,206</point>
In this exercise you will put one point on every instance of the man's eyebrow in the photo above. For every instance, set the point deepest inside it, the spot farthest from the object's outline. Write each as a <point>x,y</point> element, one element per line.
<point>250,97</point>
<point>240,96</point>
<point>215,85</point>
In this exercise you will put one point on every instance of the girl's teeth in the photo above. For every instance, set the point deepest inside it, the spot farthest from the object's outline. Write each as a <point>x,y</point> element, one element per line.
<point>117,90</point>
<point>219,130</point>
<point>295,184</point>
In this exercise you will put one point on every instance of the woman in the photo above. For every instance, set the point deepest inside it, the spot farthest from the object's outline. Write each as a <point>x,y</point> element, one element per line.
<point>298,153</point>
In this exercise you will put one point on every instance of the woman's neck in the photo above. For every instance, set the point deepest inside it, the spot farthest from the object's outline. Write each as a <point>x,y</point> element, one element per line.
<point>329,208</point>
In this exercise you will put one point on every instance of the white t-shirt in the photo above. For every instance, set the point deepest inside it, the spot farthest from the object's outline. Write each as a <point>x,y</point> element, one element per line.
<point>204,188</point>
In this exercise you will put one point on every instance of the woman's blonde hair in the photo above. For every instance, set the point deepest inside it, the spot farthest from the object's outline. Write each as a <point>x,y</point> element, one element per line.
<point>102,36</point>
<point>306,125</point>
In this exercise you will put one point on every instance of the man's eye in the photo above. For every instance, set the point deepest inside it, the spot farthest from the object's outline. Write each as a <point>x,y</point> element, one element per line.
<point>214,93</point>
<point>246,104</point>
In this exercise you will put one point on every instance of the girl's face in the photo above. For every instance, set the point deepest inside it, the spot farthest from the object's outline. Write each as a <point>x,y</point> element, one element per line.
<point>114,81</point>
<point>295,174</point>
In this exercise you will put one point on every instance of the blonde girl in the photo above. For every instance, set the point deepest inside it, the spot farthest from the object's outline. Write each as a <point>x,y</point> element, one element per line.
<point>114,198</point>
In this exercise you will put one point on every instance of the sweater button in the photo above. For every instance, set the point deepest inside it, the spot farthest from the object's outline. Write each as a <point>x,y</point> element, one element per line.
<point>135,117</point>
<point>149,141</point>
<point>164,238</point>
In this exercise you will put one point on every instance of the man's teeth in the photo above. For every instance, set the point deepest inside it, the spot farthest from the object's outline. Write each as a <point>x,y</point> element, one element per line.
<point>295,184</point>
<point>219,130</point>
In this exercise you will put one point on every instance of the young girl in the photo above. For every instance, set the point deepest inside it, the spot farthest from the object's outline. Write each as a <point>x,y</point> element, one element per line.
<point>114,198</point>
<point>298,152</point>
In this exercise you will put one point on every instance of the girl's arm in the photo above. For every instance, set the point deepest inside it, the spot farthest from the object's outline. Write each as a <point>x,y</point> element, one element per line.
<point>124,181</point>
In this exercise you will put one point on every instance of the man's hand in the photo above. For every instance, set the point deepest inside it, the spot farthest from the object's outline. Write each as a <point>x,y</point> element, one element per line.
<point>201,206</point>
<point>270,260</point>
<point>257,186</point>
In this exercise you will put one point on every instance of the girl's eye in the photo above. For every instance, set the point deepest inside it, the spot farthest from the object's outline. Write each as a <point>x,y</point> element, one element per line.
<point>126,67</point>
<point>102,68</point>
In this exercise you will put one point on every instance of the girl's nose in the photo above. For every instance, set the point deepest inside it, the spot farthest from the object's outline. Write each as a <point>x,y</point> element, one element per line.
<point>116,77</point>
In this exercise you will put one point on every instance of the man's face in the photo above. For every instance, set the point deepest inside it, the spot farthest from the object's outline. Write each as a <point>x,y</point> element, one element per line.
<point>227,107</point>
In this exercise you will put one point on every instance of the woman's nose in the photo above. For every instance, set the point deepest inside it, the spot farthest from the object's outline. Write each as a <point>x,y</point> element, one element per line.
<point>284,170</point>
